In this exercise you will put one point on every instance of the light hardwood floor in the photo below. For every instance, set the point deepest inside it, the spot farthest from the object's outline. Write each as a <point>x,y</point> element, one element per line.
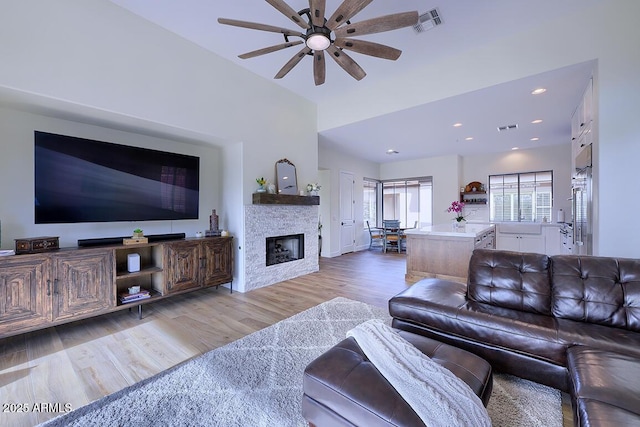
<point>77,363</point>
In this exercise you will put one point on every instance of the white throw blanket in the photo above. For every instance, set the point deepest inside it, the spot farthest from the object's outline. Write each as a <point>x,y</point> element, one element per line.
<point>435,394</point>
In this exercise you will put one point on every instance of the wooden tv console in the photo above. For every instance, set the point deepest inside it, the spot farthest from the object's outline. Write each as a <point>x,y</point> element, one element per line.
<point>46,289</point>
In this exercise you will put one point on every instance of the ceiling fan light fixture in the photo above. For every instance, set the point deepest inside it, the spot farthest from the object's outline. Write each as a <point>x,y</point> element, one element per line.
<point>318,41</point>
<point>327,34</point>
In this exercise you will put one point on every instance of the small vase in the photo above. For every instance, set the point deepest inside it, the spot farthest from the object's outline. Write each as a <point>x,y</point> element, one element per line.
<point>261,189</point>
<point>458,225</point>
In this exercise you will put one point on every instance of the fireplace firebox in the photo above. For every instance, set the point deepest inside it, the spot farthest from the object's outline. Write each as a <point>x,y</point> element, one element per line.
<point>285,248</point>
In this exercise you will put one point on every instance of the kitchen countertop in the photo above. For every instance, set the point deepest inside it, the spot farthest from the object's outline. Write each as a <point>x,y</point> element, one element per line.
<point>469,230</point>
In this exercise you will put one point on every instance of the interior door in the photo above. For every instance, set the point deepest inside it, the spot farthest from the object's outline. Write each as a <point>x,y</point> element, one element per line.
<point>347,219</point>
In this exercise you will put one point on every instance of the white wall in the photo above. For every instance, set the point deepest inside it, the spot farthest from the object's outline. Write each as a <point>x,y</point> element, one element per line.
<point>555,157</point>
<point>324,215</point>
<point>17,180</point>
<point>333,162</point>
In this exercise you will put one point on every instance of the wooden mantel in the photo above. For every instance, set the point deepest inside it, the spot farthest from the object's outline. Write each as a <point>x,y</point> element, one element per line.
<point>284,199</point>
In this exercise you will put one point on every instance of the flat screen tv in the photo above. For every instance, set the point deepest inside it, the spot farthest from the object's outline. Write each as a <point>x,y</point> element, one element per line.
<point>82,180</point>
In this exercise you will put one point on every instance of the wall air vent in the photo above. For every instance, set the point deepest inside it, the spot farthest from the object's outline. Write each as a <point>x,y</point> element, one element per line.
<point>428,21</point>
<point>508,127</point>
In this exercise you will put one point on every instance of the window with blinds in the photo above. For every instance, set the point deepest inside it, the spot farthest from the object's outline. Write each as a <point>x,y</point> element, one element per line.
<point>521,197</point>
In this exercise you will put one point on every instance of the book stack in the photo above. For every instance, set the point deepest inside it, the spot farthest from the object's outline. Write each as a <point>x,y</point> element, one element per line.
<point>126,297</point>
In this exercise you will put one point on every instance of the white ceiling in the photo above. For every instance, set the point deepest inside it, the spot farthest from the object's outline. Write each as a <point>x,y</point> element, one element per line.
<point>422,131</point>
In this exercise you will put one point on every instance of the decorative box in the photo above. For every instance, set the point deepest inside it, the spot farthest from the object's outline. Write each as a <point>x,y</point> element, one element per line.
<point>32,245</point>
<point>135,241</point>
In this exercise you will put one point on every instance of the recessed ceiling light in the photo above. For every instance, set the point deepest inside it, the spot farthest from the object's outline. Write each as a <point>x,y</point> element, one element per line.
<point>515,148</point>
<point>469,138</point>
<point>391,151</point>
<point>535,138</point>
<point>457,125</point>
<point>538,91</point>
<point>536,121</point>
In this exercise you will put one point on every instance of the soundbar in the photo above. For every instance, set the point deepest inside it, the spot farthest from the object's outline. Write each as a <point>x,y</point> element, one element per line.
<point>102,241</point>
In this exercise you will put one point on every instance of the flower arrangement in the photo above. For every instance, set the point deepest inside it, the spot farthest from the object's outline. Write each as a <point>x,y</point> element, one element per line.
<point>313,187</point>
<point>261,181</point>
<point>457,208</point>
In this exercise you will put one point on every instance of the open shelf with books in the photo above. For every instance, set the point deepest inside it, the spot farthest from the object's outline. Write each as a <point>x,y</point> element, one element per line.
<point>149,277</point>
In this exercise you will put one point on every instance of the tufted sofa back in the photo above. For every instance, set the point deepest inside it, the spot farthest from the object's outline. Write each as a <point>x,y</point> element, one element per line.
<point>601,290</point>
<point>515,280</point>
<point>597,290</point>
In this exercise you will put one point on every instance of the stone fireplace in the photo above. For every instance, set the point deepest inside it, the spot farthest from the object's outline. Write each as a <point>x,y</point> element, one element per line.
<point>284,249</point>
<point>269,221</point>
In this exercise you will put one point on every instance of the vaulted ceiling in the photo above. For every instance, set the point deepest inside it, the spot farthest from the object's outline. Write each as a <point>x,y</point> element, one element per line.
<point>421,131</point>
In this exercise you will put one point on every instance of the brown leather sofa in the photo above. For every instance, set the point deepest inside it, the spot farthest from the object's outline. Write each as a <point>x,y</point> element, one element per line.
<point>530,315</point>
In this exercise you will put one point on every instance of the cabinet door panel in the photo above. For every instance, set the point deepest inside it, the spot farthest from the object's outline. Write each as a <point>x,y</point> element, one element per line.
<point>83,284</point>
<point>217,268</point>
<point>183,263</point>
<point>25,294</point>
<point>531,243</point>
<point>508,242</point>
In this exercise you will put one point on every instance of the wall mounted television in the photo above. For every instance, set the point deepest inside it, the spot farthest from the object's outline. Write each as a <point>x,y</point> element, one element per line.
<point>83,180</point>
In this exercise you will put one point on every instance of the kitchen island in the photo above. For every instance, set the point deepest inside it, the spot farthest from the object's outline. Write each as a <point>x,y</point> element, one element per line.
<point>444,251</point>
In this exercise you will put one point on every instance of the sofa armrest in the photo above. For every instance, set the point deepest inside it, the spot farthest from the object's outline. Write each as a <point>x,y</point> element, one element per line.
<point>445,297</point>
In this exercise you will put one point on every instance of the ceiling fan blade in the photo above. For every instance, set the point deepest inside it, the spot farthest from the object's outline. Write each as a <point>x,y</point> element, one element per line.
<point>292,63</point>
<point>269,49</point>
<point>261,27</point>
<point>287,11</point>
<point>346,11</point>
<point>347,64</point>
<point>317,12</point>
<point>369,48</point>
<point>319,67</point>
<point>379,25</point>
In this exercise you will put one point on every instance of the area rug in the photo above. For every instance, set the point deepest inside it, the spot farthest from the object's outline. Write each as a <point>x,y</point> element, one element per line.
<point>257,381</point>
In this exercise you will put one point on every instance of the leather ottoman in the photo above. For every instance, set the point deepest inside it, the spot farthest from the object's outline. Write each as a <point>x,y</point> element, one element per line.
<point>605,388</point>
<point>342,388</point>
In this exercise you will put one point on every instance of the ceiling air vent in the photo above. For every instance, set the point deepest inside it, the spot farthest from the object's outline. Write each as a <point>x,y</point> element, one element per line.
<point>508,127</point>
<point>428,21</point>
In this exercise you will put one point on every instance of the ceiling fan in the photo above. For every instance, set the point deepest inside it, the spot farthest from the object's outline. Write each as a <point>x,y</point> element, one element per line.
<point>318,32</point>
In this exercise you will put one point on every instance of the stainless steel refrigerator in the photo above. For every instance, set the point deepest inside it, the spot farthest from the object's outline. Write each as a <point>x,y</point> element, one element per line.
<point>582,204</point>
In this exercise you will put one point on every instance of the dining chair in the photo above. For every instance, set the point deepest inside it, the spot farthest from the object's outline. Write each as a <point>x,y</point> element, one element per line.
<point>376,235</point>
<point>393,235</point>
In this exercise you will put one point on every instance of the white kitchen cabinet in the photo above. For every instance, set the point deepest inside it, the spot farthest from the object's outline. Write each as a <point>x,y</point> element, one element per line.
<point>521,238</point>
<point>522,243</point>
<point>552,241</point>
<point>581,123</point>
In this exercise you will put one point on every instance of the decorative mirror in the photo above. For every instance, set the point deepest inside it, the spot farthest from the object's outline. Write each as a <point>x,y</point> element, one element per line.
<point>286,177</point>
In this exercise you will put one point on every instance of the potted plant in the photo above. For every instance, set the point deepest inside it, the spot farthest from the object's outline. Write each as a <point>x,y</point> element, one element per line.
<point>262,183</point>
<point>313,189</point>
<point>137,233</point>
<point>457,207</point>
